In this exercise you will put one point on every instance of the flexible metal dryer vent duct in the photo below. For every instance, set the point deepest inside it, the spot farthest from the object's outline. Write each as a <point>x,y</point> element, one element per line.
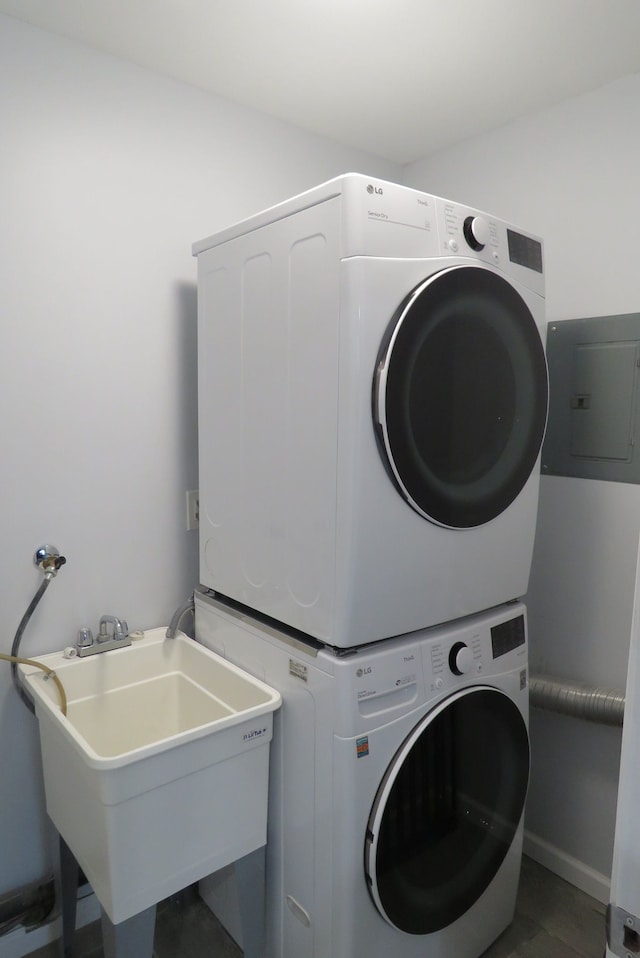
<point>574,698</point>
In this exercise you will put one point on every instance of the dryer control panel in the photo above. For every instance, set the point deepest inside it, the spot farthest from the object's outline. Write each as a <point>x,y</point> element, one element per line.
<point>467,232</point>
<point>387,219</point>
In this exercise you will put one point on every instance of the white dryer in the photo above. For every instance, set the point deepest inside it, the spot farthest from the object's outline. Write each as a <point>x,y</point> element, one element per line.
<point>397,785</point>
<point>372,402</point>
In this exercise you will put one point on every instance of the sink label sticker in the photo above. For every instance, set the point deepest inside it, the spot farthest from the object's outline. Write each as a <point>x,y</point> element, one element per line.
<point>254,733</point>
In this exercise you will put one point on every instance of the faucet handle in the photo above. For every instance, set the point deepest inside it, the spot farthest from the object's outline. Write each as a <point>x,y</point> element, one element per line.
<point>84,638</point>
<point>120,628</point>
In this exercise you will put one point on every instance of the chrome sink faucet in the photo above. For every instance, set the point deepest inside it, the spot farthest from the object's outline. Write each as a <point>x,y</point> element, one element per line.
<point>120,628</point>
<point>115,638</point>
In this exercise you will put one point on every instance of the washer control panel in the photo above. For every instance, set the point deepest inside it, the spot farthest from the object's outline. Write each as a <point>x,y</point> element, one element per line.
<point>478,648</point>
<point>395,674</point>
<point>451,660</point>
<point>460,658</point>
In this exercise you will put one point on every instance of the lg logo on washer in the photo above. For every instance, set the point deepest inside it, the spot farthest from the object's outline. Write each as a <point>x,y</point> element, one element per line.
<point>374,189</point>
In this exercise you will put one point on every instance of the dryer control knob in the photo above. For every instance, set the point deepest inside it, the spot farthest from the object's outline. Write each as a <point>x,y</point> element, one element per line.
<point>460,658</point>
<point>476,232</point>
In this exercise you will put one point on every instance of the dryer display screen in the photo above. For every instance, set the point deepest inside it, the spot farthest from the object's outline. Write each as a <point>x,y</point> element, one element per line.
<point>524,251</point>
<point>507,636</point>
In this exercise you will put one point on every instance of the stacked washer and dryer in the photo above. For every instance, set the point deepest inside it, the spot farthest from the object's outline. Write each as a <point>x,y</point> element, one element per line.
<point>372,402</point>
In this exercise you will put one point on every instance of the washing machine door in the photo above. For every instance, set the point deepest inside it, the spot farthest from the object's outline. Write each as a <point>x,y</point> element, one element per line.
<point>460,396</point>
<point>447,810</point>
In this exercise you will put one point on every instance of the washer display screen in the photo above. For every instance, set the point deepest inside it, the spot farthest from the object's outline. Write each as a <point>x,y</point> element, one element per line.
<point>507,636</point>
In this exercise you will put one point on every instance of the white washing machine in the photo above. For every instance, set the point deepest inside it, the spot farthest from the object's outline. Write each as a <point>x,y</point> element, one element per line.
<point>372,402</point>
<point>397,786</point>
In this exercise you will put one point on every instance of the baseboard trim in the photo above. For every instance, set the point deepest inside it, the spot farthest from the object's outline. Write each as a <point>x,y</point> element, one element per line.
<point>19,943</point>
<point>584,877</point>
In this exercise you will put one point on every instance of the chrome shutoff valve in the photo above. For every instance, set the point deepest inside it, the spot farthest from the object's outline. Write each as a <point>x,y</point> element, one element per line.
<point>48,559</point>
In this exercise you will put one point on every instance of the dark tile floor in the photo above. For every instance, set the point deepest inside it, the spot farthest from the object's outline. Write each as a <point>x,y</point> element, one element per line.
<point>553,920</point>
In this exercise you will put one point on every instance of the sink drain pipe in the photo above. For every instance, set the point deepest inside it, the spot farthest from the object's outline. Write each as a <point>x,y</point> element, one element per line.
<point>551,694</point>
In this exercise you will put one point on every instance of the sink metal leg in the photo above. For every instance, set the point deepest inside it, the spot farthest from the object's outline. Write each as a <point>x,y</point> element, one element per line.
<point>250,882</point>
<point>69,874</point>
<point>132,938</point>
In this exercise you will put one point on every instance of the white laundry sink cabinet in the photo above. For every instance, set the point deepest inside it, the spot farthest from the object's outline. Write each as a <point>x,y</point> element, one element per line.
<point>158,774</point>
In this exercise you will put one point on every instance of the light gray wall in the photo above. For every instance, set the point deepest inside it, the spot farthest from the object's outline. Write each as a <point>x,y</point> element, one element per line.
<point>571,174</point>
<point>108,173</point>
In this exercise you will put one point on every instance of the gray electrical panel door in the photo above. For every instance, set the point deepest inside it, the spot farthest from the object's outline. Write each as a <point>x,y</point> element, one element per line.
<point>593,430</point>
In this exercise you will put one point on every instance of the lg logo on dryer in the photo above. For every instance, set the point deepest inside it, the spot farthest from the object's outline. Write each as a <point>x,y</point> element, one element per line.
<point>374,189</point>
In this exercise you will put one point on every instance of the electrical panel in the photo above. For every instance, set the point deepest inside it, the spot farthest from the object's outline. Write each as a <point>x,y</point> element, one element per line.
<point>593,430</point>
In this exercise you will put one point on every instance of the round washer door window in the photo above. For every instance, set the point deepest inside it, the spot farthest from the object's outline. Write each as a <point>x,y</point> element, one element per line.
<point>460,396</point>
<point>447,810</point>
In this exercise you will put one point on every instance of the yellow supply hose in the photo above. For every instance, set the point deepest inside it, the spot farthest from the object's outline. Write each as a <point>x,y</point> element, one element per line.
<point>45,668</point>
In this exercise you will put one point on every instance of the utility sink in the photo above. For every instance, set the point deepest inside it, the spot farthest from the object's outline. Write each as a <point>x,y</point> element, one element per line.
<point>158,774</point>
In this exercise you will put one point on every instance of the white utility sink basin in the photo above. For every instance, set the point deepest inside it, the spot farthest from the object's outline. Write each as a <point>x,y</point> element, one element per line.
<point>158,774</point>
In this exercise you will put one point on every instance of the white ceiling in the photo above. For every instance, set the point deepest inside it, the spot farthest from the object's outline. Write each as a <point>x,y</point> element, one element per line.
<point>398,78</point>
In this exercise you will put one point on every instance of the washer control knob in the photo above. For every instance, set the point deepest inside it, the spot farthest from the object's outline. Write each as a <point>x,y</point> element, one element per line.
<point>460,658</point>
<point>476,232</point>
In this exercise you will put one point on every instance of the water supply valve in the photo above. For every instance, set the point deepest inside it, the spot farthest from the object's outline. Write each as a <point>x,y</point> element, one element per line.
<point>48,558</point>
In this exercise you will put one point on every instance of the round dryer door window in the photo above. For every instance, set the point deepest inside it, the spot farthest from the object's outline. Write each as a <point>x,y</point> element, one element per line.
<point>447,810</point>
<point>460,396</point>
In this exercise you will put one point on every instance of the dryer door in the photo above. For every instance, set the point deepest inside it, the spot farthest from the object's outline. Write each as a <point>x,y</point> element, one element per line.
<point>447,810</point>
<point>460,396</point>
